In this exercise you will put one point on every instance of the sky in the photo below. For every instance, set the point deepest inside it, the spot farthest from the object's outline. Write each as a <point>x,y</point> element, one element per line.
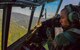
<point>51,8</point>
<point>66,2</point>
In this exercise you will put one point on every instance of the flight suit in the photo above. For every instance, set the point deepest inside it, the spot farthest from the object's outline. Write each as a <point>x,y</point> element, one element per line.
<point>68,40</point>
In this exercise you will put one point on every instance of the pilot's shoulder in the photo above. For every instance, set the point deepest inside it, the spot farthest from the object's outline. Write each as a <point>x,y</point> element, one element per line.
<point>62,40</point>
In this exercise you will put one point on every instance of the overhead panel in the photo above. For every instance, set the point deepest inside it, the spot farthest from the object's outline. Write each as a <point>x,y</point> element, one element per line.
<point>22,3</point>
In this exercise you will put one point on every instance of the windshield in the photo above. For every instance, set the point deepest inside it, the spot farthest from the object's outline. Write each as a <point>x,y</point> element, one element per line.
<point>20,19</point>
<point>18,24</point>
<point>1,13</point>
<point>36,16</point>
<point>51,9</point>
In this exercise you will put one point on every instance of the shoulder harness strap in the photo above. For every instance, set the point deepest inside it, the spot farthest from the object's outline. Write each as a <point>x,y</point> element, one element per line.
<point>69,37</point>
<point>75,30</point>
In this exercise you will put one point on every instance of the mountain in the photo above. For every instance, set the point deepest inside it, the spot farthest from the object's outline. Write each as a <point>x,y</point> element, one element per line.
<point>20,19</point>
<point>23,20</point>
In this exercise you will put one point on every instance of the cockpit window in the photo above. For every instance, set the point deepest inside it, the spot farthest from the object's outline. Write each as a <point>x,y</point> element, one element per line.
<point>19,23</point>
<point>36,16</point>
<point>51,9</point>
<point>1,14</point>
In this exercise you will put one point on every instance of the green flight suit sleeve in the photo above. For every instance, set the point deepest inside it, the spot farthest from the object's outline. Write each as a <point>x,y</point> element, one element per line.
<point>61,40</point>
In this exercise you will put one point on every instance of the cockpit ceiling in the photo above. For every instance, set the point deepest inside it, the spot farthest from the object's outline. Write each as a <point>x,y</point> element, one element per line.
<point>24,3</point>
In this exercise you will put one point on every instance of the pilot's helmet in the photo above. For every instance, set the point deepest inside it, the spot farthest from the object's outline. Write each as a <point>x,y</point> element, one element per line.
<point>73,13</point>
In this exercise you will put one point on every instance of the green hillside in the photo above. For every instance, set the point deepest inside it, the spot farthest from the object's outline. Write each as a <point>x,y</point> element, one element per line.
<point>16,31</point>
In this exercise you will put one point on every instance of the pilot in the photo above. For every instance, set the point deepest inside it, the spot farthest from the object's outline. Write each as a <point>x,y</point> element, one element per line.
<point>70,22</point>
